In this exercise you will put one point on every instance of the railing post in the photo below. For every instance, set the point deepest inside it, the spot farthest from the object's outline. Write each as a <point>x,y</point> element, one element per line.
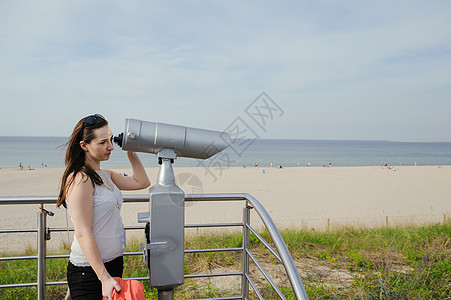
<point>244,282</point>
<point>42,249</point>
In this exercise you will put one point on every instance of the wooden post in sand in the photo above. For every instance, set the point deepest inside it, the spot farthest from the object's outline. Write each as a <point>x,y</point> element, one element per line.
<point>386,221</point>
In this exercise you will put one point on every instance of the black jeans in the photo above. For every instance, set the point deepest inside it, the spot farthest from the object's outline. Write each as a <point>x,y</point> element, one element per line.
<point>83,281</point>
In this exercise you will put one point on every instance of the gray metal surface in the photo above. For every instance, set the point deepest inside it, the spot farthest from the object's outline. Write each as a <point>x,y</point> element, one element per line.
<point>151,137</point>
<point>245,257</point>
<point>212,250</point>
<point>213,225</point>
<point>165,294</point>
<point>42,250</point>
<point>167,235</point>
<point>214,275</point>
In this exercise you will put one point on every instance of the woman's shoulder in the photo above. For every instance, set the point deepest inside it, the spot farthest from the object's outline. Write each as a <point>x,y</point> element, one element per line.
<point>80,178</point>
<point>79,184</point>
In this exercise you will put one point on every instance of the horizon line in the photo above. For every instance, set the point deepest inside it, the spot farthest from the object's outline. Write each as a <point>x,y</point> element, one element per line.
<point>280,139</point>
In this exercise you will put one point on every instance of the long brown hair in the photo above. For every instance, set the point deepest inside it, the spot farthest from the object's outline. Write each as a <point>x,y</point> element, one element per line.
<point>75,156</point>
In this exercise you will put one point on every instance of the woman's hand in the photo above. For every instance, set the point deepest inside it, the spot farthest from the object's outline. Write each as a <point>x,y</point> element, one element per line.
<point>107,287</point>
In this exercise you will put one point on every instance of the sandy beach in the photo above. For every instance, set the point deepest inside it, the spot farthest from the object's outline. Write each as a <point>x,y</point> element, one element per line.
<point>297,197</point>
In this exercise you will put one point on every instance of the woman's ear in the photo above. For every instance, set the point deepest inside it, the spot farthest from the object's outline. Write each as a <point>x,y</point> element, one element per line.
<point>83,146</point>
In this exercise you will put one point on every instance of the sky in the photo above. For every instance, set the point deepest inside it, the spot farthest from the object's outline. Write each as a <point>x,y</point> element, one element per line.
<point>342,70</point>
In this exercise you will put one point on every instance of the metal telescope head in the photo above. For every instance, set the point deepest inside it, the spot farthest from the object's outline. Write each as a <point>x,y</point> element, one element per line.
<point>152,137</point>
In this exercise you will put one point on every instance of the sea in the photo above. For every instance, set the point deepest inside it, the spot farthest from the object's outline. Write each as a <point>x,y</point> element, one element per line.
<point>50,152</point>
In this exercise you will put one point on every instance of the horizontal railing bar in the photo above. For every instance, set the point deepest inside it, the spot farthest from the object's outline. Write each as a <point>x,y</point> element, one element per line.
<point>57,256</point>
<point>60,229</point>
<point>215,197</point>
<point>260,267</point>
<point>54,256</point>
<point>137,227</point>
<point>34,230</point>
<point>212,250</point>
<point>138,278</point>
<point>254,287</point>
<point>67,255</point>
<point>271,249</point>
<point>188,276</point>
<point>9,200</point>
<point>136,198</point>
<point>125,254</point>
<point>213,275</point>
<point>16,285</point>
<point>133,253</point>
<point>134,278</point>
<point>127,227</point>
<point>56,283</point>
<point>23,230</point>
<point>6,286</point>
<point>18,257</point>
<point>12,200</point>
<point>213,225</point>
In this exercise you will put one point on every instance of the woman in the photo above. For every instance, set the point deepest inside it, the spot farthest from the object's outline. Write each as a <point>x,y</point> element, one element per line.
<point>94,200</point>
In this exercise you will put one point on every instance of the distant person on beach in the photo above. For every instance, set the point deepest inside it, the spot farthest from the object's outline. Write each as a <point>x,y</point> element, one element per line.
<point>94,201</point>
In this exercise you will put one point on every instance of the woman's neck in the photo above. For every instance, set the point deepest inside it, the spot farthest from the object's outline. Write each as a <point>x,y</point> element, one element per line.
<point>95,165</point>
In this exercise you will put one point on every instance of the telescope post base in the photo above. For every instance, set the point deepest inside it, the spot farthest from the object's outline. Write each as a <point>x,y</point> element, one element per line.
<point>165,294</point>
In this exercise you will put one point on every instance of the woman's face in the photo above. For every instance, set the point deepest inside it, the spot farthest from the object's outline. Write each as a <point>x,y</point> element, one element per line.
<point>99,149</point>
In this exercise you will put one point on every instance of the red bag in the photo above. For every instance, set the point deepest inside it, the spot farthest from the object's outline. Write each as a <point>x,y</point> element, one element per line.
<point>130,290</point>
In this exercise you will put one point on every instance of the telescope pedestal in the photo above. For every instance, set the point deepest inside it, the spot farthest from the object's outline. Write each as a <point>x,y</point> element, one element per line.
<point>165,295</point>
<point>165,233</point>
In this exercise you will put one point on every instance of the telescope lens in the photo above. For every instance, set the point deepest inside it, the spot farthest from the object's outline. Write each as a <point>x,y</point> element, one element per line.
<point>118,139</point>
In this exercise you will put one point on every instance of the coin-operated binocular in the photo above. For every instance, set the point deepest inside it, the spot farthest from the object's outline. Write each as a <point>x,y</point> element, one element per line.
<point>165,235</point>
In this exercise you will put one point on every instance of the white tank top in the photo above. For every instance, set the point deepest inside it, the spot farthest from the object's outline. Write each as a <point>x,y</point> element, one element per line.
<point>107,226</point>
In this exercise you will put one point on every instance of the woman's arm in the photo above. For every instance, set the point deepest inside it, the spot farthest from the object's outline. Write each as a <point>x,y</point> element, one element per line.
<point>81,202</point>
<point>138,181</point>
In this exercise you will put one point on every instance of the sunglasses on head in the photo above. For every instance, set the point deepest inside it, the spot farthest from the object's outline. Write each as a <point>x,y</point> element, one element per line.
<point>90,120</point>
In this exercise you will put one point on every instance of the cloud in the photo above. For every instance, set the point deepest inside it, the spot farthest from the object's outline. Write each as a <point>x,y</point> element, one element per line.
<point>186,61</point>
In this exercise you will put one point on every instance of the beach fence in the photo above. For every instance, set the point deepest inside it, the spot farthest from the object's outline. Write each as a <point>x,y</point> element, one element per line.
<point>280,252</point>
<point>331,223</point>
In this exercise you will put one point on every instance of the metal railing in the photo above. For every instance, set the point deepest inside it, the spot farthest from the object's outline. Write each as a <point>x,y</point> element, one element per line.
<point>281,252</point>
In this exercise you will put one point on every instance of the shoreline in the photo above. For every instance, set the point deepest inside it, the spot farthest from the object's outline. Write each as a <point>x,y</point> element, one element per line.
<point>294,197</point>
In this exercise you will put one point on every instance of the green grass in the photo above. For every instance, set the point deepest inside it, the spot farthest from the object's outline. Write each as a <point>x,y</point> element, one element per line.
<point>406,262</point>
